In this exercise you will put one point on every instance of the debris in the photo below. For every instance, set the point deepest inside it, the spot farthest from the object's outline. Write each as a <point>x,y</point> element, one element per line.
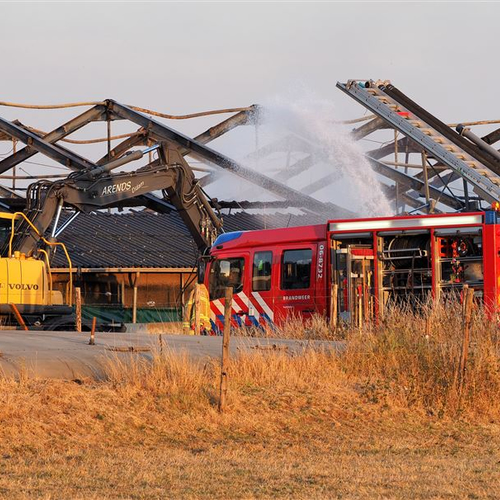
<point>130,348</point>
<point>272,347</point>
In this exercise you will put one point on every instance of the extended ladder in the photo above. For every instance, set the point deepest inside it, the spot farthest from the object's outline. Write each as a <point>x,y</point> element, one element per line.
<point>385,101</point>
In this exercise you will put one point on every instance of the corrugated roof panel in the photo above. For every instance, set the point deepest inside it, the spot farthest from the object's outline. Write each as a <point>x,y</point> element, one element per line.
<point>148,239</point>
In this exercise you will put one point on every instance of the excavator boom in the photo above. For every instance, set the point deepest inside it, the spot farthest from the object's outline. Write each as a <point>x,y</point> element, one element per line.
<point>89,190</point>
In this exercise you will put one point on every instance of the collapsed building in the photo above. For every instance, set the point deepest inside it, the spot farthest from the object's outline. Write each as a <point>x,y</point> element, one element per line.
<point>138,266</point>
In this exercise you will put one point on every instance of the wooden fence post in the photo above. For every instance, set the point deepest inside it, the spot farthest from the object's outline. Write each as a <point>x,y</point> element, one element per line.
<point>78,308</point>
<point>360,309</point>
<point>92,332</point>
<point>333,306</point>
<point>160,340</point>
<point>135,283</point>
<point>225,348</point>
<point>428,326</point>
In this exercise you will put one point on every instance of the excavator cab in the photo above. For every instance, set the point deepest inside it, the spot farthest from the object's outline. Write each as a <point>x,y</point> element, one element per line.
<point>5,228</point>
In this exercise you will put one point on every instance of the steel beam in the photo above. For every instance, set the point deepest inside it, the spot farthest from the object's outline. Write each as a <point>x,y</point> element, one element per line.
<point>69,153</point>
<point>162,132</point>
<point>287,143</point>
<point>297,168</point>
<point>66,158</point>
<point>94,114</point>
<point>123,147</point>
<point>257,204</point>
<point>391,193</point>
<point>412,183</point>
<point>208,179</point>
<point>9,193</point>
<point>405,145</point>
<point>241,118</point>
<point>381,101</point>
<point>492,137</point>
<point>444,130</point>
<point>157,204</point>
<point>368,128</point>
<point>320,183</point>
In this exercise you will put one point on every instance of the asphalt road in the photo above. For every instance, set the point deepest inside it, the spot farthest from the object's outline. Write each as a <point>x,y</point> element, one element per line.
<point>68,355</point>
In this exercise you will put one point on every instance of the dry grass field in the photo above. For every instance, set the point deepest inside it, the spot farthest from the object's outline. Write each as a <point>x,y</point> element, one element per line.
<point>386,418</point>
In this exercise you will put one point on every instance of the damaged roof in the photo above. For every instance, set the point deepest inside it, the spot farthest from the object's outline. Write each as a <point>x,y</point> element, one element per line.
<point>151,240</point>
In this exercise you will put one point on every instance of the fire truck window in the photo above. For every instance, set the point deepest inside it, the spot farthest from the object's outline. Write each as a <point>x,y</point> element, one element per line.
<point>261,277</point>
<point>296,269</point>
<point>224,273</point>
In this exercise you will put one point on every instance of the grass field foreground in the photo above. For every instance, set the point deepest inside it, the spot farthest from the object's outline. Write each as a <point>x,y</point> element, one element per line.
<point>386,418</point>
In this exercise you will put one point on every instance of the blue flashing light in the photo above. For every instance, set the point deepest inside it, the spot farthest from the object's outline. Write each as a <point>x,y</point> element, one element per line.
<point>490,217</point>
<point>225,237</point>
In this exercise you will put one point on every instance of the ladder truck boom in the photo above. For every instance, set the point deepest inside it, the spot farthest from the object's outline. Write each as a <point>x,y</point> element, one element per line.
<point>477,164</point>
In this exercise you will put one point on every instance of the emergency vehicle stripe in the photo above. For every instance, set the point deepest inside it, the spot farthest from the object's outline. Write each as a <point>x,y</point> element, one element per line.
<point>236,308</point>
<point>218,304</point>
<point>243,298</point>
<point>269,312</point>
<point>247,303</point>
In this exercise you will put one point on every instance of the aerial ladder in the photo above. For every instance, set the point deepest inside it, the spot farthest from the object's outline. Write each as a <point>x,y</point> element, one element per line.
<point>465,154</point>
<point>26,282</point>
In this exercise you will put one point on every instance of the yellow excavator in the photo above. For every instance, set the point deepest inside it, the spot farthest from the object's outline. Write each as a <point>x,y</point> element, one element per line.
<point>28,238</point>
<point>26,281</point>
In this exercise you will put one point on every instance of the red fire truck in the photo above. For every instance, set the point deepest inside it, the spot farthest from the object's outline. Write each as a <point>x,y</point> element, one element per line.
<point>363,265</point>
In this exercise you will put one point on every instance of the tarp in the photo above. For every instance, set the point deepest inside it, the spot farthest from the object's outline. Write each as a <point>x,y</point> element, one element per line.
<point>114,314</point>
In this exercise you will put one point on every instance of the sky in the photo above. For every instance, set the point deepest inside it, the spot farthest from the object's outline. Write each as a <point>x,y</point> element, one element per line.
<point>181,57</point>
<point>188,57</point>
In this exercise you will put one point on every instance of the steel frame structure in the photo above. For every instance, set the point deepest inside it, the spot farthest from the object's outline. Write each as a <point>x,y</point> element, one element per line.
<point>433,188</point>
<point>150,131</point>
<point>444,156</point>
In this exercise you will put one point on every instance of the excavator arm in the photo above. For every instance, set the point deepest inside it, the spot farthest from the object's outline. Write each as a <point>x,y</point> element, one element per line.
<point>97,188</point>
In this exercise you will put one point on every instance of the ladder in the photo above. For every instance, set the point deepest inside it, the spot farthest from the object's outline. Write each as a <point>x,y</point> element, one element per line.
<point>375,97</point>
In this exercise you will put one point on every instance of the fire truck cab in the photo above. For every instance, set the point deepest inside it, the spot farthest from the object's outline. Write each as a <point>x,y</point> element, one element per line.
<point>354,268</point>
<point>275,274</point>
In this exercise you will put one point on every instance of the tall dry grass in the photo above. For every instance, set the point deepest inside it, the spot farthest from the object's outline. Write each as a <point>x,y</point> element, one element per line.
<point>373,417</point>
<point>412,359</point>
<point>409,361</point>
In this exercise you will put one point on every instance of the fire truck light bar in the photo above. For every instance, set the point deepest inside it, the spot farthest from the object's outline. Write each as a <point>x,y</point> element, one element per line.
<point>361,225</point>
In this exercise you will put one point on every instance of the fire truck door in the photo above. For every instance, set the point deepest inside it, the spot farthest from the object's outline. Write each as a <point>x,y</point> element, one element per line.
<point>353,273</point>
<point>263,284</point>
<point>297,282</point>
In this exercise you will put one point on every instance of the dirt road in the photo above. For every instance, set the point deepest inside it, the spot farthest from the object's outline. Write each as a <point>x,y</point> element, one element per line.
<point>68,355</point>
